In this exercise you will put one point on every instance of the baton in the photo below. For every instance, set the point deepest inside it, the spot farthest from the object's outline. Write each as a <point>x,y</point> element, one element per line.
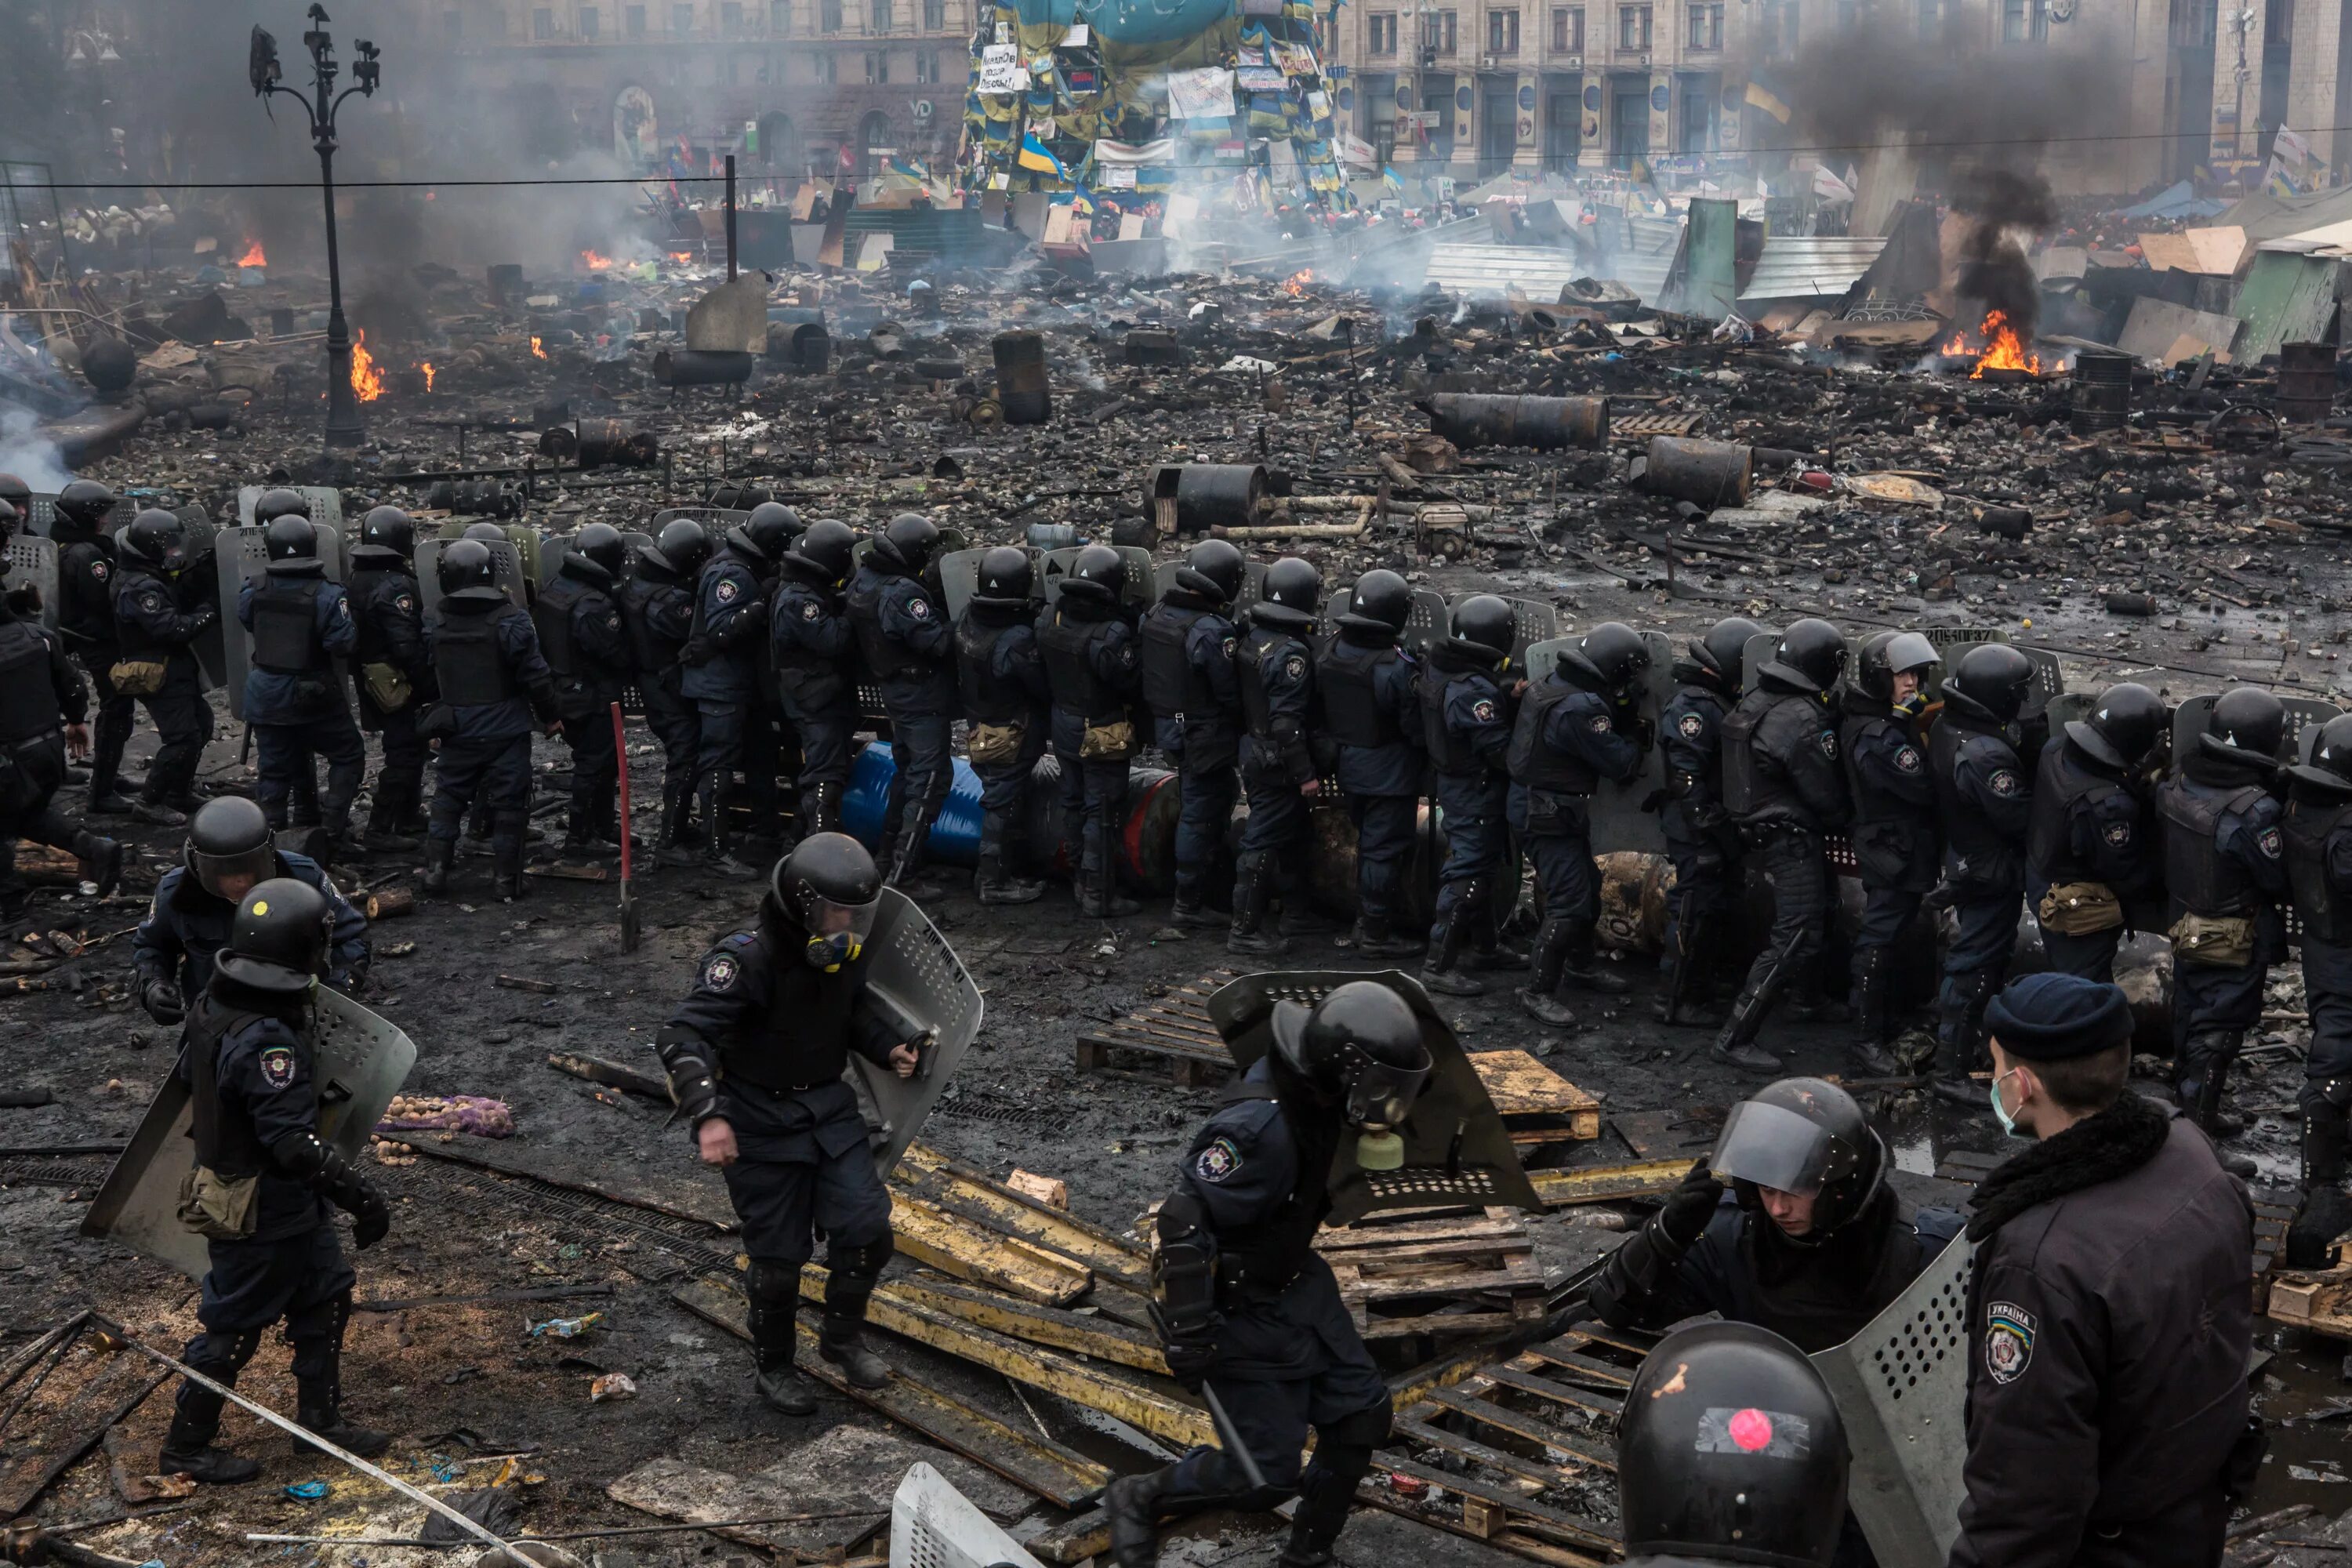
<point>1229,1439</point>
<point>628,904</point>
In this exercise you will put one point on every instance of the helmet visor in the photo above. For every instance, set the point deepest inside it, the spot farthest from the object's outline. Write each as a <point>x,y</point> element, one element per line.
<point>1773,1147</point>
<point>231,877</point>
<point>1382,1096</point>
<point>837,931</point>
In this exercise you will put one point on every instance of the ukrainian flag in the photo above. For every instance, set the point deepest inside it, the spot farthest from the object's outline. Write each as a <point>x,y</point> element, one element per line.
<point>1389,178</point>
<point>1036,155</point>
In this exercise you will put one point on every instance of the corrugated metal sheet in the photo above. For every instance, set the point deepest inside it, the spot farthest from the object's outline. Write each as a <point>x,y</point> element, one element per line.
<point>2285,299</point>
<point>1494,270</point>
<point>1796,267</point>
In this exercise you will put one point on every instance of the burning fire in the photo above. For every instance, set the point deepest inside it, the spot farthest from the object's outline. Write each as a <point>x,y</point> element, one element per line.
<point>1295,284</point>
<point>253,256</point>
<point>367,381</point>
<point>2005,353</point>
<point>683,257</point>
<point>536,351</point>
<point>426,366</point>
<point>594,262</point>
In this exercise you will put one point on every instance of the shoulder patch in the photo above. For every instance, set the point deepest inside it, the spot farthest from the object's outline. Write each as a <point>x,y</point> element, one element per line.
<point>2267,840</point>
<point>921,609</point>
<point>278,1065</point>
<point>97,569</point>
<point>811,610</point>
<point>2002,782</point>
<point>1227,646</point>
<point>2009,1341</point>
<point>1219,1161</point>
<point>151,600</point>
<point>1483,711</point>
<point>726,591</point>
<point>1692,726</point>
<point>1907,759</point>
<point>1599,724</point>
<point>720,972</point>
<point>2118,834</point>
<point>344,607</point>
<point>405,604</point>
<point>1295,668</point>
<point>1830,744</point>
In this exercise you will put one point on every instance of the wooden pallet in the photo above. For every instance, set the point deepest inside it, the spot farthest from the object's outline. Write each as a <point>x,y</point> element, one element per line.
<point>1538,1105</point>
<point>1467,1274</point>
<point>1641,427</point>
<point>1174,1037</point>
<point>1536,1433</point>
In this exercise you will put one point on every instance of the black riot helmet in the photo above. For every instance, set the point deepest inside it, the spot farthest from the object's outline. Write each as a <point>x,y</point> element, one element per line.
<point>1359,1048</point>
<point>279,502</point>
<point>1215,568</point>
<point>157,539</point>
<point>908,541</point>
<point>1290,595</point>
<point>830,547</point>
<point>1006,577</point>
<point>828,890</point>
<point>1610,657</point>
<point>1803,1135</point>
<point>1990,682</point>
<point>1095,575</point>
<point>2330,767</point>
<point>1730,1450</point>
<point>2246,722</point>
<point>1484,628</point>
<point>290,538</point>
<point>768,532</point>
<point>1379,603</point>
<point>1719,657</point>
<point>486,532</point>
<point>1811,657</point>
<point>389,528</point>
<point>2124,728</point>
<point>18,494</point>
<point>465,566</point>
<point>1889,654</point>
<point>84,505</point>
<point>230,837</point>
<point>278,940</point>
<point>11,515</point>
<point>684,546</point>
<point>602,544</point>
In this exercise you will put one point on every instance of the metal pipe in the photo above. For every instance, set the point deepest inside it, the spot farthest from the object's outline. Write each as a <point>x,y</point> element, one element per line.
<point>730,217</point>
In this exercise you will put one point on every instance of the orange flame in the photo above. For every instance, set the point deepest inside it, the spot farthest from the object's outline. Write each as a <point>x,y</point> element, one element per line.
<point>1295,284</point>
<point>426,366</point>
<point>594,262</point>
<point>253,256</point>
<point>536,351</point>
<point>682,257</point>
<point>367,381</point>
<point>2006,351</point>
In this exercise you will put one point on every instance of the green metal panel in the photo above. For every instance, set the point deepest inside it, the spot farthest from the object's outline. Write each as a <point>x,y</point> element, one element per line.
<point>1709,283</point>
<point>2285,299</point>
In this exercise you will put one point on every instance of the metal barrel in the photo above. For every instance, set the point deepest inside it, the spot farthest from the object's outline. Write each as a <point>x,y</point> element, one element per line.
<point>1705,473</point>
<point>505,278</point>
<point>701,367</point>
<point>1152,346</point>
<point>1546,424</point>
<point>608,441</point>
<point>1218,495</point>
<point>2101,391</point>
<point>1022,387</point>
<point>1331,869</point>
<point>2306,383</point>
<point>1147,836</point>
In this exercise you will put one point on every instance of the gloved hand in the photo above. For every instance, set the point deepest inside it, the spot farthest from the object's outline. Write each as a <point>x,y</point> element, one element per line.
<point>1690,1206</point>
<point>1190,1363</point>
<point>162,1000</point>
<point>371,1220</point>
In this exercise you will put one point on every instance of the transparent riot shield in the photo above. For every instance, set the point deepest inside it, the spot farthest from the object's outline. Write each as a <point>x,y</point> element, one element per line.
<point>914,976</point>
<point>33,563</point>
<point>1619,820</point>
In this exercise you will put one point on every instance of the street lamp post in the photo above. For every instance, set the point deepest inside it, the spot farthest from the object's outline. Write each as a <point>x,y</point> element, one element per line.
<point>343,426</point>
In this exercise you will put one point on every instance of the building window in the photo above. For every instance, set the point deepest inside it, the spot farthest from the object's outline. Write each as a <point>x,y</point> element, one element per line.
<point>1633,26</point>
<point>453,27</point>
<point>588,24</point>
<point>1706,24</point>
<point>1438,36</point>
<point>1567,30</point>
<point>877,15</point>
<point>1931,19</point>
<point>633,21</point>
<point>1780,29</point>
<point>730,18</point>
<point>877,66</point>
<point>927,64</point>
<point>780,18</point>
<point>826,73</point>
<point>542,23</point>
<point>2192,24</point>
<point>935,15</point>
<point>1379,33</point>
<point>828,16</point>
<point>1502,32</point>
<point>2024,21</point>
<point>681,19</point>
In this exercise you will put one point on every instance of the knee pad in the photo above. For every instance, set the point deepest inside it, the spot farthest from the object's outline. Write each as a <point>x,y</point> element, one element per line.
<point>864,1261</point>
<point>229,1353</point>
<point>774,1283</point>
<point>1366,1430</point>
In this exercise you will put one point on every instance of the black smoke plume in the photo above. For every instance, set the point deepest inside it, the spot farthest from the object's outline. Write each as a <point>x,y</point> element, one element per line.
<point>2003,206</point>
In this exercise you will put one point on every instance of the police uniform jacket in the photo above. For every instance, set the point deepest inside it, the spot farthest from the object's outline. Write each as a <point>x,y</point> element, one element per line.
<point>1893,829</point>
<point>1006,682</point>
<point>1986,799</point>
<point>2108,1332</point>
<point>1176,680</point>
<point>906,640</point>
<point>1792,759</point>
<point>2236,866</point>
<point>1379,679</point>
<point>1113,674</point>
<point>1563,742</point>
<point>185,926</point>
<point>86,574</point>
<point>40,691</point>
<point>1275,669</point>
<point>252,1082</point>
<point>150,624</point>
<point>1466,721</point>
<point>2089,825</point>
<point>287,695</point>
<point>1690,733</point>
<point>658,610</point>
<point>526,685</point>
<point>382,592</point>
<point>594,665</point>
<point>731,611</point>
<point>2317,833</point>
<point>814,644</point>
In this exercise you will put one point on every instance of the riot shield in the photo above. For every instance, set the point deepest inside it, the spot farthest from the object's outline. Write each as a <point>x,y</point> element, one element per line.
<point>238,556</point>
<point>1163,577</point>
<point>1950,643</point>
<point>1458,1150</point>
<point>2304,715</point>
<point>211,647</point>
<point>1618,820</point>
<point>326,502</point>
<point>1427,623</point>
<point>33,563</point>
<point>959,577</point>
<point>932,1525</point>
<point>1140,588</point>
<point>916,978</point>
<point>40,522</point>
<point>1532,621</point>
<point>359,1061</point>
<point>1902,1386</point>
<point>506,563</point>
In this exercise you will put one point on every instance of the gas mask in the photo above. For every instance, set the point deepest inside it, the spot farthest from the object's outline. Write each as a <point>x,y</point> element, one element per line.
<point>1379,1101</point>
<point>837,931</point>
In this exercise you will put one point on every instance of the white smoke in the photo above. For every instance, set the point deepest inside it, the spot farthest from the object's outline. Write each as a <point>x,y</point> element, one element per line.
<point>29,455</point>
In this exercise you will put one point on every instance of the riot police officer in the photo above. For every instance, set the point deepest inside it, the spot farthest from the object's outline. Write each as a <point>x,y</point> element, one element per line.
<point>903,633</point>
<point>160,610</point>
<point>230,851</point>
<point>86,571</point>
<point>1274,667</point>
<point>723,650</point>
<point>755,1057</point>
<point>1243,1302</point>
<point>2225,869</point>
<point>390,671</point>
<point>1701,838</point>
<point>1465,722</point>
<point>263,1183</point>
<point>816,677</point>
<point>2316,846</point>
<point>1008,702</point>
<point>493,682</point>
<point>1789,1223</point>
<point>42,705</point>
<point>2091,857</point>
<point>1092,668</point>
<point>1784,787</point>
<point>1372,708</point>
<point>301,622</point>
<point>1746,1464</point>
<point>1985,800</point>
<point>587,648</point>
<point>1893,832</point>
<point>656,605</point>
<point>1188,641</point>
<point>1579,725</point>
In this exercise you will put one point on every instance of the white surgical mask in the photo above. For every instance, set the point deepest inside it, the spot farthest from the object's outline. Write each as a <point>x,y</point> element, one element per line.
<point>2008,1123</point>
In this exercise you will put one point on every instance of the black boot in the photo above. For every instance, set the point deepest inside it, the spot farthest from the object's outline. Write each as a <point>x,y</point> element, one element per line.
<point>905,863</point>
<point>672,847</point>
<point>825,810</point>
<point>840,1340</point>
<point>994,882</point>
<point>580,841</point>
<point>1736,1046</point>
<point>714,829</point>
<point>506,863</point>
<point>1442,971</point>
<point>2326,1211</point>
<point>326,1421</point>
<point>1133,1504</point>
<point>1540,998</point>
<point>101,860</point>
<point>1248,934</point>
<point>1959,1035</point>
<point>1681,1003</point>
<point>1191,910</point>
<point>440,859</point>
<point>1872,1008</point>
<point>188,1451</point>
<point>1376,936</point>
<point>317,1333</point>
<point>1326,1492</point>
<point>1583,968</point>
<point>2200,1080</point>
<point>775,1297</point>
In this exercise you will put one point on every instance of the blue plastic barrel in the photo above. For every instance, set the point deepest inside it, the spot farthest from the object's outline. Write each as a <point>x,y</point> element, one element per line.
<point>955,836</point>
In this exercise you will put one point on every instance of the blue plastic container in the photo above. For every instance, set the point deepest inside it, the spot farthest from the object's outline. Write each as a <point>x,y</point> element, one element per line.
<point>955,836</point>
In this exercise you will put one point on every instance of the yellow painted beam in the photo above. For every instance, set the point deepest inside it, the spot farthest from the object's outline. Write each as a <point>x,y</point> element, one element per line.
<point>1608,1183</point>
